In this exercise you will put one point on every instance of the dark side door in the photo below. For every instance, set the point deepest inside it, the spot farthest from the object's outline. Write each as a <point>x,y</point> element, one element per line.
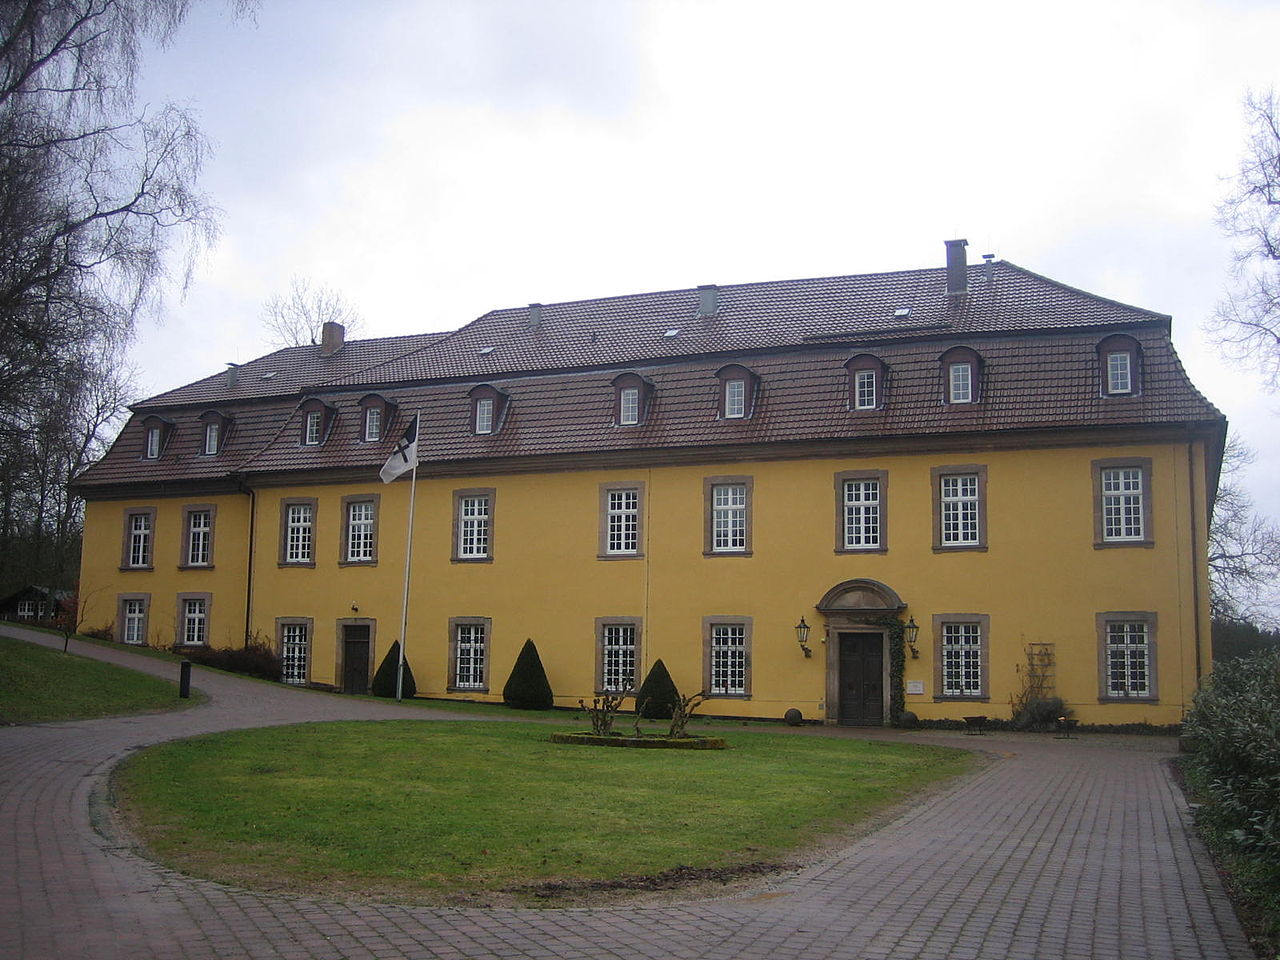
<point>355,658</point>
<point>862,678</point>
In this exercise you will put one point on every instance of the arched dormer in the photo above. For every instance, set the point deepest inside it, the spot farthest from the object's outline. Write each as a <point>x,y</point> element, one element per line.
<point>1119,366</point>
<point>317,419</point>
<point>632,395</point>
<point>376,414</point>
<point>738,390</point>
<point>962,376</point>
<point>214,427</point>
<point>488,408</point>
<point>868,378</point>
<point>157,431</point>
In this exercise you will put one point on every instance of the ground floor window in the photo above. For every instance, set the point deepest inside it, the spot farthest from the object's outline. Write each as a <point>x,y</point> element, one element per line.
<point>618,645</point>
<point>727,657</point>
<point>961,655</point>
<point>295,647</point>
<point>1127,656</point>
<point>469,656</point>
<point>26,609</point>
<point>193,618</point>
<point>134,625</point>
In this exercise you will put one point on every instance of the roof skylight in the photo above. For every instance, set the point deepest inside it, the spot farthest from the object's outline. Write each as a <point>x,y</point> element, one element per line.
<point>673,332</point>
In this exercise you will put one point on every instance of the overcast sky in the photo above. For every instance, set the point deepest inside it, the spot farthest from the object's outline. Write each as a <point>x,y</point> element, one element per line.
<point>435,159</point>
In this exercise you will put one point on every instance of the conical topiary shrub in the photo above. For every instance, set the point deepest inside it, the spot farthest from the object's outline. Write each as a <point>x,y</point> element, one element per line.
<point>528,688</point>
<point>658,694</point>
<point>384,681</point>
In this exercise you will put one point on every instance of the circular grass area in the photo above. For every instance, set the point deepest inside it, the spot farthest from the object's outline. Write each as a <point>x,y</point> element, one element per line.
<point>481,813</point>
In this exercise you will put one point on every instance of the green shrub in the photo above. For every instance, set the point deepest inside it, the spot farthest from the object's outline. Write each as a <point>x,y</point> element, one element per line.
<point>528,688</point>
<point>658,695</point>
<point>384,681</point>
<point>254,659</point>
<point>1040,714</point>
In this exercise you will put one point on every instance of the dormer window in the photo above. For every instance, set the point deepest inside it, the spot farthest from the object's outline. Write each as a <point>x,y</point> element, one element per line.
<point>866,382</point>
<point>632,395</point>
<point>488,409</point>
<point>153,443</point>
<point>1119,360</point>
<point>317,421</point>
<point>738,387</point>
<point>629,406</point>
<point>372,424</point>
<point>962,375</point>
<point>376,413</point>
<point>213,432</point>
<point>156,432</point>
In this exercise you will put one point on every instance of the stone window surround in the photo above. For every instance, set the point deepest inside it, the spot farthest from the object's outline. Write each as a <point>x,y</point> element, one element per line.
<point>309,623</point>
<point>125,552</point>
<point>883,477</point>
<point>602,546</point>
<point>285,503</point>
<point>118,631</point>
<point>181,618</point>
<point>935,481</point>
<point>601,623</point>
<point>454,623</point>
<point>1127,616</point>
<point>347,501</point>
<point>184,554</point>
<point>984,630</point>
<point>1148,531</point>
<point>708,508</point>
<point>707,624</point>
<point>492,494</point>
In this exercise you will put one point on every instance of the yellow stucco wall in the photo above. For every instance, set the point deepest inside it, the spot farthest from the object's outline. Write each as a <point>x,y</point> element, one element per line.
<point>1041,578</point>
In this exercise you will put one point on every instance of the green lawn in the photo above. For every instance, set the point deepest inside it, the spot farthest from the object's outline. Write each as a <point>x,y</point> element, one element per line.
<point>39,685</point>
<point>446,811</point>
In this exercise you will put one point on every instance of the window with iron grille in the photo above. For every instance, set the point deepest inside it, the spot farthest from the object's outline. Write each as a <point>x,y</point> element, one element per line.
<point>134,617</point>
<point>1122,506</point>
<point>360,530</point>
<point>294,647</point>
<point>861,514</point>
<point>299,533</point>
<point>962,660</point>
<point>473,526</point>
<point>729,517</point>
<point>194,620</point>
<point>864,387</point>
<point>959,497</point>
<point>140,540</point>
<point>1128,659</point>
<point>199,535</point>
<point>728,657</point>
<point>624,521</point>
<point>469,656</point>
<point>618,657</point>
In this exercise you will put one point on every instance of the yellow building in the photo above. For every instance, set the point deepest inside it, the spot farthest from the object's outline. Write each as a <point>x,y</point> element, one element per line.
<point>958,480</point>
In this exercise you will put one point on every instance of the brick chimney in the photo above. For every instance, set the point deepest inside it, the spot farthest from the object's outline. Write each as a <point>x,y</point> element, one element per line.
<point>957,270</point>
<point>708,300</point>
<point>332,336</point>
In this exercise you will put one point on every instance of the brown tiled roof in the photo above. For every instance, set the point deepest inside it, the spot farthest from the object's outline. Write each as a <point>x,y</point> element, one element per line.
<point>290,371</point>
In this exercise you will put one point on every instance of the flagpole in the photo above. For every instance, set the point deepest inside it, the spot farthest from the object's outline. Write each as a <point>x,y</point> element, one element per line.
<point>408,562</point>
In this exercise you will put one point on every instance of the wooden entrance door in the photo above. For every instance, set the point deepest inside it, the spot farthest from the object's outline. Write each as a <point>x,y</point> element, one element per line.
<point>355,658</point>
<point>862,678</point>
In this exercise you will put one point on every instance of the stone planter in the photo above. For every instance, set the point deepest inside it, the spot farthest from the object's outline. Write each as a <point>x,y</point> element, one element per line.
<point>656,742</point>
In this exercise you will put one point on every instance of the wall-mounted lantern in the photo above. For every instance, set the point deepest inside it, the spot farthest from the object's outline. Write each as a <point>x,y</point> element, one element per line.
<point>802,637</point>
<point>911,630</point>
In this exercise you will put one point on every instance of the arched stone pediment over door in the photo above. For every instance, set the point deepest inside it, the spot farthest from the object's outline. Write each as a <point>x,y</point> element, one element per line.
<point>859,599</point>
<point>858,656</point>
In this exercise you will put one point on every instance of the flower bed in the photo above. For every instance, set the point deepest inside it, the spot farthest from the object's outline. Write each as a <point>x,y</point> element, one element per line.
<point>655,742</point>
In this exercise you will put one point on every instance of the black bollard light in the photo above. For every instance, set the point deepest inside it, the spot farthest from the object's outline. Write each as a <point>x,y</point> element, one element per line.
<point>184,679</point>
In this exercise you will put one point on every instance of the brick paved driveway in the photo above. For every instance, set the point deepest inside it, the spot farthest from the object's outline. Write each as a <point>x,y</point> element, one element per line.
<point>1060,849</point>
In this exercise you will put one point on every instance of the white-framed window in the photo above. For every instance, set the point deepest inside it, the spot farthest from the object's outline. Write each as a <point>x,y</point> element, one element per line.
<point>1123,510</point>
<point>211,431</point>
<point>728,517</point>
<point>314,424</point>
<point>864,390</point>
<point>473,526</point>
<point>372,424</point>
<point>42,609</point>
<point>629,406</point>
<point>623,521</point>
<point>133,614</point>
<point>484,415</point>
<point>153,443</point>
<point>195,626</point>
<point>958,493</point>
<point>1120,372</point>
<point>470,650</point>
<point>1128,659</point>
<point>960,382</point>
<point>199,537</point>
<point>299,533</point>
<point>294,647</point>
<point>360,531</point>
<point>862,514</point>
<point>140,540</point>
<point>962,660</point>
<point>728,659</point>
<point>735,399</point>
<point>26,609</point>
<point>618,657</point>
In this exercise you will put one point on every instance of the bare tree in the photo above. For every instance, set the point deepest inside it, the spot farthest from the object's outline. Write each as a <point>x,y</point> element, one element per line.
<point>296,318</point>
<point>1247,323</point>
<point>1244,549</point>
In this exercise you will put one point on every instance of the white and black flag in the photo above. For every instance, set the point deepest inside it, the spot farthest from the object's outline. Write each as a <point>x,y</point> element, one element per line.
<point>405,456</point>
